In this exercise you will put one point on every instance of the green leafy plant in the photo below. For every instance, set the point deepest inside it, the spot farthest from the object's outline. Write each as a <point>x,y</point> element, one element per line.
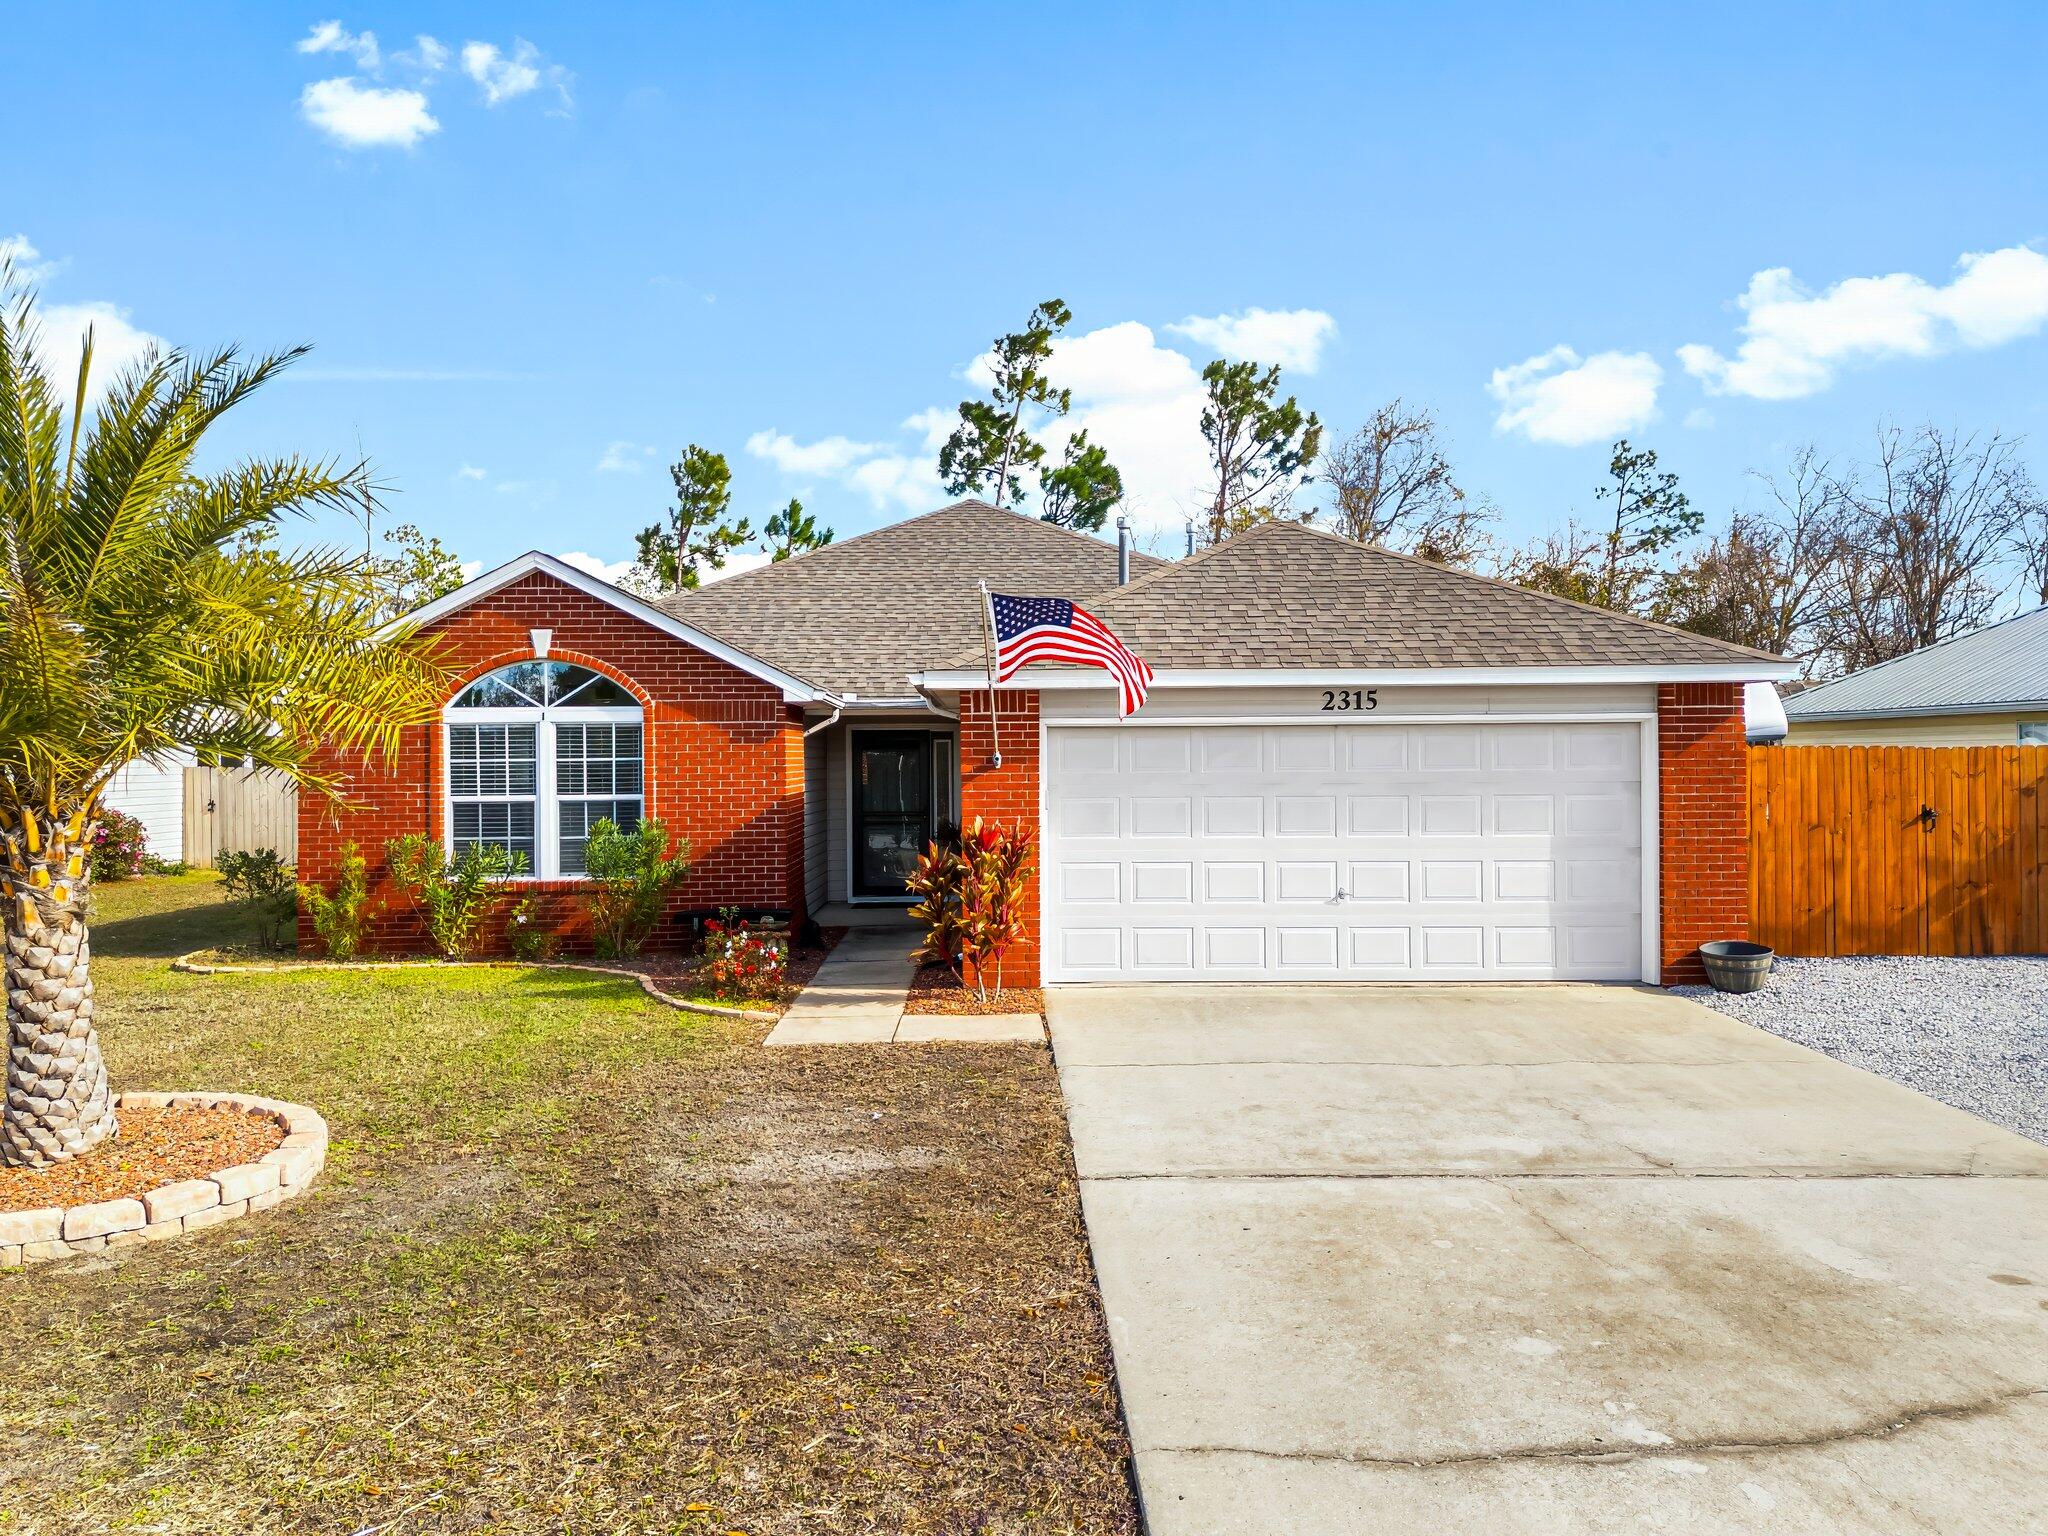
<point>261,882</point>
<point>152,865</point>
<point>973,901</point>
<point>339,919</point>
<point>119,846</point>
<point>453,898</point>
<point>936,881</point>
<point>631,874</point>
<point>738,960</point>
<point>528,938</point>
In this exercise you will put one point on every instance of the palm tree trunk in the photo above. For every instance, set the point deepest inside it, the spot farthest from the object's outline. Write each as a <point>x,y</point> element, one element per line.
<point>58,1103</point>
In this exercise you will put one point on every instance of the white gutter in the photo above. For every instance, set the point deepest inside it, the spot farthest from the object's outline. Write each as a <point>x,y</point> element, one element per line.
<point>955,680</point>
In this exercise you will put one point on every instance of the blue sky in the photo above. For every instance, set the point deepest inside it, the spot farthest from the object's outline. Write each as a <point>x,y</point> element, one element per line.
<point>540,254</point>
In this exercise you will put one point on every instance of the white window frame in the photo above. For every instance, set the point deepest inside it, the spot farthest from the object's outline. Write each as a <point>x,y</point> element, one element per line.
<point>547,817</point>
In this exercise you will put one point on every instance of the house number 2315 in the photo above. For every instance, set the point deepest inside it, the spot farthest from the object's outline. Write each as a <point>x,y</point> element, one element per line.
<point>1342,699</point>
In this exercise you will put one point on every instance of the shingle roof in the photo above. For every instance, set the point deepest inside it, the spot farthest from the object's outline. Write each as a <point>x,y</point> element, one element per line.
<point>1287,595</point>
<point>864,614</point>
<point>2000,666</point>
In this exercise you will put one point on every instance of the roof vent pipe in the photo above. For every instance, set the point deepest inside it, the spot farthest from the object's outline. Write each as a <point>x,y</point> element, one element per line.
<point>1123,552</point>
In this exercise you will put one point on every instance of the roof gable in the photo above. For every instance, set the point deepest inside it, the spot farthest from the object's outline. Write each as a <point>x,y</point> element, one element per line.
<point>1999,666</point>
<point>863,614</point>
<point>1283,595</point>
<point>534,562</point>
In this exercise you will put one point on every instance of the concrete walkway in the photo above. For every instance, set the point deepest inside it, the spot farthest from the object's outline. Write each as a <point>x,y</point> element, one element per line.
<point>858,995</point>
<point>1549,1260</point>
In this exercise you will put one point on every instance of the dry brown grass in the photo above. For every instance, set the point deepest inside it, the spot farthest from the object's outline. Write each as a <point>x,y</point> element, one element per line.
<point>580,1264</point>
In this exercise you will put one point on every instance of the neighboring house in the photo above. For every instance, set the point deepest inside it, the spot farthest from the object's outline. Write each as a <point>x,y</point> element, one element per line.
<point>154,794</point>
<point>1984,689</point>
<point>1353,765</point>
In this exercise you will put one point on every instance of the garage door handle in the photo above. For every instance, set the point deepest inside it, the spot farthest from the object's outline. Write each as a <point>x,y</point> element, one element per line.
<point>1342,894</point>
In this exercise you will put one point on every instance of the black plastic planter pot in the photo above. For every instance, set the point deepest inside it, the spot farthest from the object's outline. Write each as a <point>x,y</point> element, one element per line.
<point>1735,965</point>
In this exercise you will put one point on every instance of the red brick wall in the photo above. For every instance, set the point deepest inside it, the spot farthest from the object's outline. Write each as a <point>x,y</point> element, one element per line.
<point>724,766</point>
<point>1703,847</point>
<point>1008,794</point>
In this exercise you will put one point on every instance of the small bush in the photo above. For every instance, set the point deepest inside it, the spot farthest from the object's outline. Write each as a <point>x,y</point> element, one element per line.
<point>119,846</point>
<point>631,874</point>
<point>152,865</point>
<point>339,919</point>
<point>738,961</point>
<point>972,904</point>
<point>453,898</point>
<point>526,936</point>
<point>260,882</point>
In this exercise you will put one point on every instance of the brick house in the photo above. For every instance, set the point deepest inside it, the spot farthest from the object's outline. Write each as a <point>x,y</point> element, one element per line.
<point>1352,766</point>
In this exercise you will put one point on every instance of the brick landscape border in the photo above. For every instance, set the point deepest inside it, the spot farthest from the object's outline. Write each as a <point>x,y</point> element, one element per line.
<point>189,1205</point>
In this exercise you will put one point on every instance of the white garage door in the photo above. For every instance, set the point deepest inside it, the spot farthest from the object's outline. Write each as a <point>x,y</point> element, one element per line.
<point>1349,852</point>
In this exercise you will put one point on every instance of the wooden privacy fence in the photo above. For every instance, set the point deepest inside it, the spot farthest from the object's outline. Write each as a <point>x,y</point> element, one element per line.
<point>232,810</point>
<point>1899,850</point>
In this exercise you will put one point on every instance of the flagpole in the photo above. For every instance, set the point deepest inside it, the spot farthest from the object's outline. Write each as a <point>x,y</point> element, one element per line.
<point>988,630</point>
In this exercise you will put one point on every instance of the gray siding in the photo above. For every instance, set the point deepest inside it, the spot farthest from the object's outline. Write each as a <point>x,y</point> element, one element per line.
<point>837,796</point>
<point>817,797</point>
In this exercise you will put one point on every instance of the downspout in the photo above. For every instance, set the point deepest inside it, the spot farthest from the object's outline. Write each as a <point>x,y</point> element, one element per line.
<point>831,719</point>
<point>932,704</point>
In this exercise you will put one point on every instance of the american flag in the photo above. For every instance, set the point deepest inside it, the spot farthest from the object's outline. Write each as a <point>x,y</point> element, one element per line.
<point>1032,629</point>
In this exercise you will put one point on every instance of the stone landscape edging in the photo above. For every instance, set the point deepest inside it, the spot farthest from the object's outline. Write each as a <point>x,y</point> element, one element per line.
<point>185,1205</point>
<point>190,964</point>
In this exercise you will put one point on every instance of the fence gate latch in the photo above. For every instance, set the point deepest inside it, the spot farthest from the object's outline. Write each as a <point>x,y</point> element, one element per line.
<point>1927,817</point>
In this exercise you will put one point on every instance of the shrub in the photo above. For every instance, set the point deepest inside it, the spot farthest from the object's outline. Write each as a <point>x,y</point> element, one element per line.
<point>452,897</point>
<point>937,879</point>
<point>631,873</point>
<point>973,906</point>
<point>118,846</point>
<point>740,961</point>
<point>526,936</point>
<point>339,919</point>
<point>152,865</point>
<point>263,885</point>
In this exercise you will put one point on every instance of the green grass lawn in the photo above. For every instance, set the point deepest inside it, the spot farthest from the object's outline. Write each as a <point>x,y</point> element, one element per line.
<point>579,1263</point>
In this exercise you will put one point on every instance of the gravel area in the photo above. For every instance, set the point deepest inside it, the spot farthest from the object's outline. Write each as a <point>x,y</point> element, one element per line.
<point>1972,1033</point>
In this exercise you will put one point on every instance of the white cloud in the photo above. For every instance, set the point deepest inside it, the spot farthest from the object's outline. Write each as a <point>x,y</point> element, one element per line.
<point>471,569</point>
<point>29,267</point>
<point>428,55</point>
<point>116,343</point>
<point>333,37</point>
<point>366,116</point>
<point>1795,341</point>
<point>934,424</point>
<point>1699,419</point>
<point>827,456</point>
<point>1143,403</point>
<point>1559,397</point>
<point>505,77</point>
<point>613,571</point>
<point>471,472</point>
<point>623,458</point>
<point>1293,338</point>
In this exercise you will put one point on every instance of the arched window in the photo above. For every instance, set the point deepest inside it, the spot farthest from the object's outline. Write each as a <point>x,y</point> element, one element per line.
<point>538,752</point>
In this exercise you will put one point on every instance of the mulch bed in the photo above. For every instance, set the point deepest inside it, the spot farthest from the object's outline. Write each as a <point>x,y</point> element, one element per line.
<point>934,989</point>
<point>153,1147</point>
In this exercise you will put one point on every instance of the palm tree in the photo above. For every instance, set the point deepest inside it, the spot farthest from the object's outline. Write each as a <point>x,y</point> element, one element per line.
<point>129,627</point>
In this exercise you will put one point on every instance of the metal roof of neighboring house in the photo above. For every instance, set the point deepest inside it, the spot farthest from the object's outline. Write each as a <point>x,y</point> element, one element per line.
<point>1285,595</point>
<point>863,614</point>
<point>2002,666</point>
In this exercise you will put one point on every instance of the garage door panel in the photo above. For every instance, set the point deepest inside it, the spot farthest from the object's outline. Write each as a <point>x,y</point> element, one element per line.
<point>1233,816</point>
<point>1162,816</point>
<point>1379,851</point>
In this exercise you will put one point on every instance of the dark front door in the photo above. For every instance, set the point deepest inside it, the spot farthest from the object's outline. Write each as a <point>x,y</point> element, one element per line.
<point>892,808</point>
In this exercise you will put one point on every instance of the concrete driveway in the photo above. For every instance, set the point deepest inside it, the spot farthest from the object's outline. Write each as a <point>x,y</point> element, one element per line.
<point>1549,1259</point>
